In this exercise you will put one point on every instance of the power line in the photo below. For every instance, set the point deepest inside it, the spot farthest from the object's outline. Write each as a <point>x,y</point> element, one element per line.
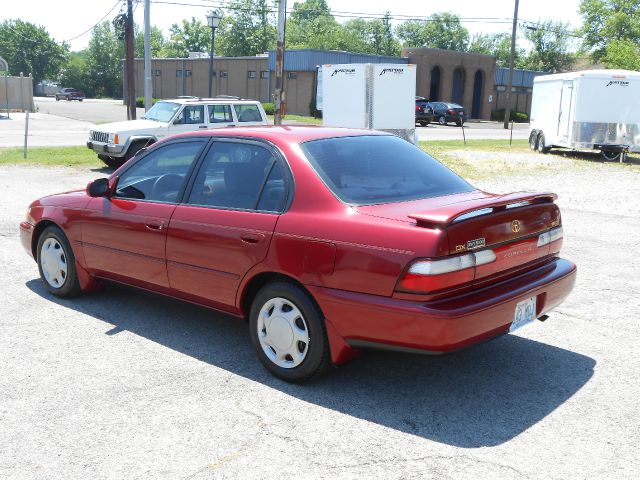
<point>94,25</point>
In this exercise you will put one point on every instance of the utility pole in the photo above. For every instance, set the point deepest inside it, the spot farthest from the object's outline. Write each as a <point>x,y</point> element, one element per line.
<point>148,85</point>
<point>129,44</point>
<point>507,108</point>
<point>279,91</point>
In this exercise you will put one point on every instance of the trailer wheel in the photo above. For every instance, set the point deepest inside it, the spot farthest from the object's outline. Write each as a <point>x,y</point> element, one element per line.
<point>533,141</point>
<point>542,148</point>
<point>610,155</point>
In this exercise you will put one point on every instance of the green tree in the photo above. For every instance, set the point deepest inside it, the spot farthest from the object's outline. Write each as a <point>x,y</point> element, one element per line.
<point>29,49</point>
<point>609,21</point>
<point>552,43</point>
<point>156,41</point>
<point>499,45</point>
<point>622,54</point>
<point>189,36</point>
<point>104,61</point>
<point>248,28</point>
<point>440,30</point>
<point>311,25</point>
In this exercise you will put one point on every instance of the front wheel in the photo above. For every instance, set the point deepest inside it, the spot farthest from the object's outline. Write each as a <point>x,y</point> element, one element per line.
<point>288,333</point>
<point>57,264</point>
<point>423,123</point>
<point>111,162</point>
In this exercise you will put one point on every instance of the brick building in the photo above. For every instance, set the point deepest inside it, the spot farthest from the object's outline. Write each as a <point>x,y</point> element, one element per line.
<point>469,79</point>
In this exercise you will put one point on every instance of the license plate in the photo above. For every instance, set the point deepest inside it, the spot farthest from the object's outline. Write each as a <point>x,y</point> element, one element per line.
<point>525,313</point>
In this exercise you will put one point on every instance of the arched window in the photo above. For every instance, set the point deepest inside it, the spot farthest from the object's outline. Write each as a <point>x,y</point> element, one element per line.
<point>457,91</point>
<point>476,105</point>
<point>434,89</point>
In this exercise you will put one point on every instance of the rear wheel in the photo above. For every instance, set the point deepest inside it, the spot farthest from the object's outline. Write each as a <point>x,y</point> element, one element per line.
<point>57,98</point>
<point>459,123</point>
<point>442,120</point>
<point>533,140</point>
<point>288,333</point>
<point>423,123</point>
<point>57,264</point>
<point>610,155</point>
<point>542,147</point>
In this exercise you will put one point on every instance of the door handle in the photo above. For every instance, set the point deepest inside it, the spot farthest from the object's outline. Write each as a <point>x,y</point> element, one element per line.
<point>202,126</point>
<point>156,227</point>
<point>251,237</point>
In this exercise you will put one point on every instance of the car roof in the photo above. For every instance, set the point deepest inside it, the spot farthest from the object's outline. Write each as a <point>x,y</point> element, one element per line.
<point>285,134</point>
<point>197,100</point>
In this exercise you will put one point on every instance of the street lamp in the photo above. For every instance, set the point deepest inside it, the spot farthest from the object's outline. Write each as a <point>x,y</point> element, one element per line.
<point>213,19</point>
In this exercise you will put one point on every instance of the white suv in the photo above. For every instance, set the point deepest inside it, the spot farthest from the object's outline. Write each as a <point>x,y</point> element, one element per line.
<point>117,142</point>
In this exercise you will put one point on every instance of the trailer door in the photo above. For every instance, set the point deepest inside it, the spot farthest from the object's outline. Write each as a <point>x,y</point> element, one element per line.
<point>565,110</point>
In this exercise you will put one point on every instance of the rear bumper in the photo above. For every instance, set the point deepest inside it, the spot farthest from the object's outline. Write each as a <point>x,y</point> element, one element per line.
<point>357,320</point>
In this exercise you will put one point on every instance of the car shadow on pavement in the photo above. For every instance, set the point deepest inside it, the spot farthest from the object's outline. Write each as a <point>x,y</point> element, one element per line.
<point>483,396</point>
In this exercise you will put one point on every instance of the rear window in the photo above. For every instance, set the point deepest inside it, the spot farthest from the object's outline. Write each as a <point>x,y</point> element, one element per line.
<point>367,170</point>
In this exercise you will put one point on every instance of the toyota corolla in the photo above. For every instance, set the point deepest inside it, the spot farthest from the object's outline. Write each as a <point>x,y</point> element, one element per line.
<point>326,241</point>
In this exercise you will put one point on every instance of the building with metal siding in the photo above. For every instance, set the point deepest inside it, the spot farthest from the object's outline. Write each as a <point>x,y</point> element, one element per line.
<point>307,60</point>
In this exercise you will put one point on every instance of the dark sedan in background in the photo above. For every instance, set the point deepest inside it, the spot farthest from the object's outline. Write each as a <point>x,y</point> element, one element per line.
<point>448,113</point>
<point>424,111</point>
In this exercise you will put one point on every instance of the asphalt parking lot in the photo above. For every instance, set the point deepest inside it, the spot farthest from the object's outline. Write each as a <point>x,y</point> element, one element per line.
<point>124,384</point>
<point>68,123</point>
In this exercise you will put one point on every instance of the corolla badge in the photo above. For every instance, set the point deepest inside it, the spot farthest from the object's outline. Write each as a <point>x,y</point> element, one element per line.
<point>515,226</point>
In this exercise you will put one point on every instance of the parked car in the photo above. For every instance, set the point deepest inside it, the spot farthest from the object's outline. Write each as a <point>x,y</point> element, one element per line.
<point>424,111</point>
<point>327,241</point>
<point>70,94</point>
<point>117,142</point>
<point>449,113</point>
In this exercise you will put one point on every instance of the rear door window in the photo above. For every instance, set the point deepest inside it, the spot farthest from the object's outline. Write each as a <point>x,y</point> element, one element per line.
<point>220,114</point>
<point>239,175</point>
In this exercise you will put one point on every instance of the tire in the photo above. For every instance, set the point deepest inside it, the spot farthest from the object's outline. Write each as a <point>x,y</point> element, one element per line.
<point>57,98</point>
<point>533,141</point>
<point>423,123</point>
<point>610,156</point>
<point>111,162</point>
<point>459,123</point>
<point>80,99</point>
<point>295,348</point>
<point>442,120</point>
<point>542,148</point>
<point>57,264</point>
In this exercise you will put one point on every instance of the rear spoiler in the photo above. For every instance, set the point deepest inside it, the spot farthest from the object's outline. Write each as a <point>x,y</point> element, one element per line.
<point>441,216</point>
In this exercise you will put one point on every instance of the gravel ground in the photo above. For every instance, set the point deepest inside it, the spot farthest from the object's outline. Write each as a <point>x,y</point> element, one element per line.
<point>123,384</point>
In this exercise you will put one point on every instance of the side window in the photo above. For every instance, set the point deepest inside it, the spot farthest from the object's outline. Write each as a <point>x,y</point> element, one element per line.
<point>274,192</point>
<point>190,115</point>
<point>248,113</point>
<point>159,175</point>
<point>220,114</point>
<point>233,175</point>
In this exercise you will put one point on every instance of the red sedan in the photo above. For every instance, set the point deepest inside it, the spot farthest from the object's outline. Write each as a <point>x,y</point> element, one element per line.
<point>327,241</point>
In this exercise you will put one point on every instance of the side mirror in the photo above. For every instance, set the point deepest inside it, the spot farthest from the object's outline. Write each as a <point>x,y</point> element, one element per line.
<point>99,188</point>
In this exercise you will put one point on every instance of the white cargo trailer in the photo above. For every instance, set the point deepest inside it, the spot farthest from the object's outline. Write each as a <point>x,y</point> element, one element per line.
<point>374,96</point>
<point>591,109</point>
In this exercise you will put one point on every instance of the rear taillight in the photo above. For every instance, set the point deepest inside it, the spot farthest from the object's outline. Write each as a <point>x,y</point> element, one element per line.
<point>418,108</point>
<point>451,111</point>
<point>551,236</point>
<point>426,276</point>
